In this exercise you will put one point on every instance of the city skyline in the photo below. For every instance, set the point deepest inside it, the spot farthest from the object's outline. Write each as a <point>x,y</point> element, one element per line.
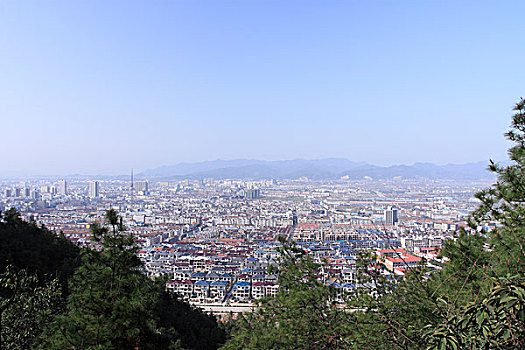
<point>99,88</point>
<point>214,239</point>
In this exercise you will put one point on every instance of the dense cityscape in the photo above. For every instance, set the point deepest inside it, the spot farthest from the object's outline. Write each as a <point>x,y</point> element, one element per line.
<point>215,239</point>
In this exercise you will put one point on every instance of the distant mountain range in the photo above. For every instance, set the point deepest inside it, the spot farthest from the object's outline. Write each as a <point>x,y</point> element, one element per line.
<point>331,168</point>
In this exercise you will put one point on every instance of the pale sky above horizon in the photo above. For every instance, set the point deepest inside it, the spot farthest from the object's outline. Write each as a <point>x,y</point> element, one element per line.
<point>99,87</point>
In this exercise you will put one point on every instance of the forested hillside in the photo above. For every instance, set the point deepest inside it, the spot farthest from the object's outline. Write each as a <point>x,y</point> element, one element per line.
<point>56,296</point>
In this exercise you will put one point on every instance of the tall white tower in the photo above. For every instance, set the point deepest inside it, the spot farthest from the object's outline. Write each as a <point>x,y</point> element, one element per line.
<point>93,189</point>
<point>62,187</point>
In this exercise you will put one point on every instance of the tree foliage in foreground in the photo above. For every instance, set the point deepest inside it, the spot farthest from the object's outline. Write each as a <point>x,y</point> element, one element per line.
<point>113,305</point>
<point>35,265</point>
<point>26,307</point>
<point>52,296</point>
<point>494,317</point>
<point>36,249</point>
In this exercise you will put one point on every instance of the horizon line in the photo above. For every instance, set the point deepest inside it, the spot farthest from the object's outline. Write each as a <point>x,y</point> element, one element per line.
<point>110,174</point>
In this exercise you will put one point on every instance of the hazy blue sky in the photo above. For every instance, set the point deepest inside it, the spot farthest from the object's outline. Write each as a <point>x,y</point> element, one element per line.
<point>103,86</point>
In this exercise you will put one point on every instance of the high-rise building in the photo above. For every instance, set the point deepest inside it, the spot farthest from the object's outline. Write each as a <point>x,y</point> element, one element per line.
<point>93,189</point>
<point>141,187</point>
<point>390,216</point>
<point>252,194</point>
<point>47,189</point>
<point>35,194</point>
<point>62,187</point>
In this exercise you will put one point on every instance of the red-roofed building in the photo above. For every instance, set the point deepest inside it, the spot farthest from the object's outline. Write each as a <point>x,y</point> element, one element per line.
<point>388,253</point>
<point>404,261</point>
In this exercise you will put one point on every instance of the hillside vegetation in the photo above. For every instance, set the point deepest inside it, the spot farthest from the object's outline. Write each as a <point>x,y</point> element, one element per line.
<point>56,296</point>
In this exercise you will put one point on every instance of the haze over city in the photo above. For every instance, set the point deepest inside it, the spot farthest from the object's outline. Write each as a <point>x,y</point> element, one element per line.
<point>99,88</point>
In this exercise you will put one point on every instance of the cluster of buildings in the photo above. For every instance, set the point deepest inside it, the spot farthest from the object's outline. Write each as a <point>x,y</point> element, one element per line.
<point>216,240</point>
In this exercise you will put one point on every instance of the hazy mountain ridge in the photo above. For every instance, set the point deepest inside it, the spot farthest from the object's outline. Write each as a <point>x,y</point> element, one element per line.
<point>330,168</point>
<point>468,171</point>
